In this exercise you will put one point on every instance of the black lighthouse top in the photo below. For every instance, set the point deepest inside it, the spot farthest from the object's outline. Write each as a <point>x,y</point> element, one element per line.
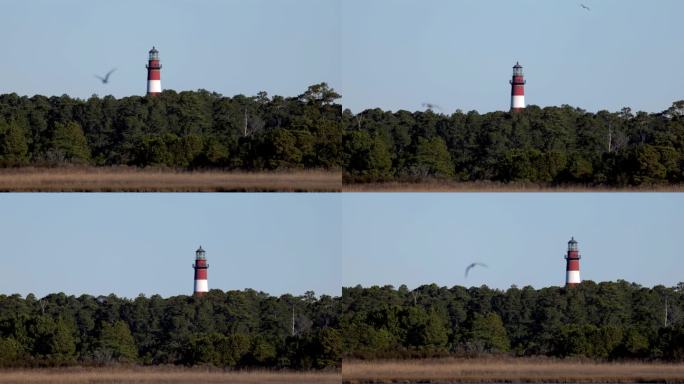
<point>154,54</point>
<point>573,251</point>
<point>199,253</point>
<point>517,69</point>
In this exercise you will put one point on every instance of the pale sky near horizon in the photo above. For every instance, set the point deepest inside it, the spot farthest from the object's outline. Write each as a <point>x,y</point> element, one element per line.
<point>391,54</point>
<point>290,243</point>
<point>458,54</point>
<point>129,243</point>
<point>416,239</point>
<point>230,47</point>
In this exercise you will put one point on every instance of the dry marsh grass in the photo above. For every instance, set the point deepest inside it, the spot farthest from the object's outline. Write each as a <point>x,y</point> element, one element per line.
<point>480,186</point>
<point>126,179</point>
<point>161,375</point>
<point>509,370</point>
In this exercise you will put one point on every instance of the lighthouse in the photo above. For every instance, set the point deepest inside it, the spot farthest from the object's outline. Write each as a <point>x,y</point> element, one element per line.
<point>517,88</point>
<point>200,267</point>
<point>153,73</point>
<point>572,269</point>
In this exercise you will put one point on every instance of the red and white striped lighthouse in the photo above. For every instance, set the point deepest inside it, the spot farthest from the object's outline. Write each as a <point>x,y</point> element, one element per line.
<point>153,73</point>
<point>572,270</point>
<point>517,88</point>
<point>200,267</point>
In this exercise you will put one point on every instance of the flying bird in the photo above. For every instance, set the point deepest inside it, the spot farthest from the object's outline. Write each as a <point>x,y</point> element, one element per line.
<point>473,265</point>
<point>431,106</point>
<point>105,79</point>
<point>585,7</point>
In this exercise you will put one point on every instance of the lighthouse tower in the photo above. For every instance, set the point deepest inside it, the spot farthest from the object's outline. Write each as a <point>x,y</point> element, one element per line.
<point>153,73</point>
<point>572,270</point>
<point>200,266</point>
<point>517,88</point>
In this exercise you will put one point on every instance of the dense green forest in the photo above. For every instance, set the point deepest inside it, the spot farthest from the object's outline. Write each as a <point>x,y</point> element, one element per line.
<point>551,145</point>
<point>609,320</point>
<point>190,130</point>
<point>181,130</point>
<point>232,329</point>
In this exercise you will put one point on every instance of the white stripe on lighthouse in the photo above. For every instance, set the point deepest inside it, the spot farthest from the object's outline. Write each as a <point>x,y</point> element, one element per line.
<point>201,286</point>
<point>572,277</point>
<point>154,86</point>
<point>518,101</point>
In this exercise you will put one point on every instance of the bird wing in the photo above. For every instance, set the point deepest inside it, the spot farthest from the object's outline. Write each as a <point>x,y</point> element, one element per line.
<point>101,78</point>
<point>431,106</point>
<point>473,265</point>
<point>109,73</point>
<point>468,268</point>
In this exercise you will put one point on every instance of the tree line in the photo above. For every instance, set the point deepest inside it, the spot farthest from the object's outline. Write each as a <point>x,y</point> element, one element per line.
<point>189,130</point>
<point>608,320</point>
<point>199,129</point>
<point>551,145</point>
<point>233,329</point>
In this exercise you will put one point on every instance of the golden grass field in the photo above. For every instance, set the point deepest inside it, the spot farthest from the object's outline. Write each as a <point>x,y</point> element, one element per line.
<point>129,179</point>
<point>480,186</point>
<point>493,370</point>
<point>161,375</point>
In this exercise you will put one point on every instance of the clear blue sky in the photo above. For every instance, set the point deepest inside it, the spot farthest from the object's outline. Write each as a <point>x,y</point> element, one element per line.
<point>393,54</point>
<point>231,47</point>
<point>417,239</point>
<point>145,243</point>
<point>398,54</point>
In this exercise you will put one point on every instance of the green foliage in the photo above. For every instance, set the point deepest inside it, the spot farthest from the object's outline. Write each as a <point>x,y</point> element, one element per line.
<point>69,143</point>
<point>433,158</point>
<point>53,339</point>
<point>117,341</point>
<point>262,352</point>
<point>320,94</point>
<point>13,144</point>
<point>284,151</point>
<point>367,156</point>
<point>647,166</point>
<point>635,344</point>
<point>233,329</point>
<point>553,145</point>
<point>11,352</point>
<point>183,130</point>
<point>330,350</point>
<point>611,320</point>
<point>487,333</point>
<point>235,348</point>
<point>211,348</point>
<point>423,328</point>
